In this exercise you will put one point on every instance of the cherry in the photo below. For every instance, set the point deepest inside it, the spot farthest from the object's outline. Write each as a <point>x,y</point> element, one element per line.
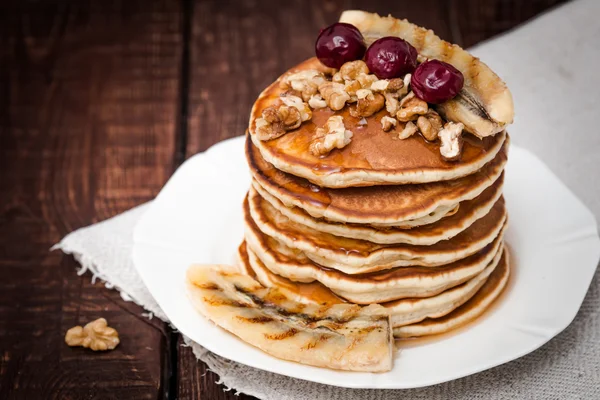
<point>436,81</point>
<point>391,57</point>
<point>339,43</point>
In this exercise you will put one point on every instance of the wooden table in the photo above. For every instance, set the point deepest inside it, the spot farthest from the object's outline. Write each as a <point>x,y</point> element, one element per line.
<point>100,101</point>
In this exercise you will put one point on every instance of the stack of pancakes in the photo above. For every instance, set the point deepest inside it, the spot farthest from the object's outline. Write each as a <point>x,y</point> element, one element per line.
<point>381,220</point>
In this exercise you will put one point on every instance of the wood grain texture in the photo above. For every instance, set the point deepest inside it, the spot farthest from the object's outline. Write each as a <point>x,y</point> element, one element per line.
<point>100,100</point>
<point>87,131</point>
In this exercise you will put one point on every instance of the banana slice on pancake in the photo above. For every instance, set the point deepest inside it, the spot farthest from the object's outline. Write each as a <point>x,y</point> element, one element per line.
<point>341,336</point>
<point>484,106</point>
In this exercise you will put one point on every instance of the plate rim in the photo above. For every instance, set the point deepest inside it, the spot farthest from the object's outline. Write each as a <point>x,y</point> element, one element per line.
<point>372,384</point>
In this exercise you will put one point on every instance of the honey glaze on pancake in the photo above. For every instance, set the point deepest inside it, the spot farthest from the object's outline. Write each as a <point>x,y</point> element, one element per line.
<point>289,260</point>
<point>454,222</point>
<point>390,202</point>
<point>314,291</point>
<point>506,266</point>
<point>342,245</point>
<point>370,149</point>
<point>317,293</point>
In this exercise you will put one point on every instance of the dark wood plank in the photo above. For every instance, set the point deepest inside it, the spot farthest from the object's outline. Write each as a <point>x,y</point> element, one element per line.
<point>88,103</point>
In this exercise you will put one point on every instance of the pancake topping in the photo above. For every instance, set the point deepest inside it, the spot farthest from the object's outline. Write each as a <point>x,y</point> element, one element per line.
<point>333,135</point>
<point>382,80</point>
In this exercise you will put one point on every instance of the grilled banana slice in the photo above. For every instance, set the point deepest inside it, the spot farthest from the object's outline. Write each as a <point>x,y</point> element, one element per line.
<point>484,106</point>
<point>341,336</point>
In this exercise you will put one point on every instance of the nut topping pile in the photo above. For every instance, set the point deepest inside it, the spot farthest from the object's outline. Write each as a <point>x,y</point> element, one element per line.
<point>402,82</point>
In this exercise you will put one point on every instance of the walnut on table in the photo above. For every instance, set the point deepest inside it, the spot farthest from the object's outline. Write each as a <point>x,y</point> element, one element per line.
<point>333,135</point>
<point>95,335</point>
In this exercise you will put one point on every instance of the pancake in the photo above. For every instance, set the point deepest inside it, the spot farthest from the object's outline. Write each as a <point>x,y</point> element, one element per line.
<point>402,312</point>
<point>354,256</point>
<point>466,214</point>
<point>309,293</point>
<point>373,157</point>
<point>378,205</point>
<point>370,287</point>
<point>466,313</point>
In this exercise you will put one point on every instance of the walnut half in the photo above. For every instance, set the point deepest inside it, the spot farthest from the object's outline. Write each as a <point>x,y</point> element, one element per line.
<point>332,135</point>
<point>96,335</point>
<point>276,121</point>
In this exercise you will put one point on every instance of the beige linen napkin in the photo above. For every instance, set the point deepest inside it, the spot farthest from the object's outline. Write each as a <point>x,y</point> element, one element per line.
<point>552,67</point>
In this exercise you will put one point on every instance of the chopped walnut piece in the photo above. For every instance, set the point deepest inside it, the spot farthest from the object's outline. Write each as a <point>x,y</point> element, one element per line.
<point>333,135</point>
<point>317,101</point>
<point>334,95</point>
<point>395,85</point>
<point>306,82</point>
<point>96,335</point>
<point>368,105</point>
<point>430,124</point>
<point>295,101</point>
<point>451,137</point>
<point>363,93</point>
<point>290,117</point>
<point>352,69</point>
<point>268,131</point>
<point>394,90</point>
<point>411,107</point>
<point>276,121</point>
<point>409,129</point>
<point>392,105</point>
<point>366,80</point>
<point>388,123</point>
<point>380,85</point>
<point>406,80</point>
<point>351,87</point>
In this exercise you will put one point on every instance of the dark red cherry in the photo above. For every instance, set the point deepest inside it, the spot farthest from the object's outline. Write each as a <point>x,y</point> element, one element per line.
<point>391,57</point>
<point>436,81</point>
<point>339,43</point>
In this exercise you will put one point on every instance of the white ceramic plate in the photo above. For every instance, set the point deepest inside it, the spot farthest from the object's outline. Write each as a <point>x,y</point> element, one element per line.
<point>553,239</point>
